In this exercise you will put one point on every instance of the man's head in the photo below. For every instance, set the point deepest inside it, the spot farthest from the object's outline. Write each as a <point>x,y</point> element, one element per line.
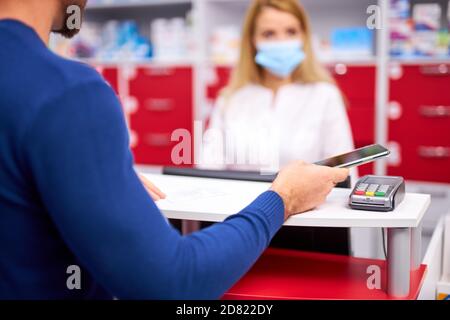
<point>61,23</point>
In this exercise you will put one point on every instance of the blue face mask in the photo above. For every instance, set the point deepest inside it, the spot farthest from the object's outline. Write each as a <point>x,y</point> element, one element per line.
<point>280,57</point>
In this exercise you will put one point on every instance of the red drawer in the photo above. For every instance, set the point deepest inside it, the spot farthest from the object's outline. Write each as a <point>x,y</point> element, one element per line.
<point>423,84</point>
<point>423,124</point>
<point>163,98</point>
<point>420,104</point>
<point>362,122</point>
<point>163,82</point>
<point>156,148</point>
<point>161,114</point>
<point>419,121</point>
<point>162,89</point>
<point>163,102</point>
<point>356,82</point>
<point>422,162</point>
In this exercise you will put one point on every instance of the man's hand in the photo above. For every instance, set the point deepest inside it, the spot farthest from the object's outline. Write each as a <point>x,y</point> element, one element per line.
<point>304,186</point>
<point>154,192</point>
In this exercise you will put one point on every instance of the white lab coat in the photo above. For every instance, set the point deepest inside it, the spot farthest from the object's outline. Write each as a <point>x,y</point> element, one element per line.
<point>300,122</point>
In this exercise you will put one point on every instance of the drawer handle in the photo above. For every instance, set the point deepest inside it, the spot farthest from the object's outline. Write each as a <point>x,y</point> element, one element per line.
<point>158,139</point>
<point>435,111</point>
<point>434,152</point>
<point>159,71</point>
<point>130,104</point>
<point>159,105</point>
<point>134,139</point>
<point>435,70</point>
<point>339,69</point>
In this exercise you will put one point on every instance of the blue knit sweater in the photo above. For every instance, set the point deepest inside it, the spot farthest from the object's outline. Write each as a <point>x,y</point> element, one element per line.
<point>69,195</point>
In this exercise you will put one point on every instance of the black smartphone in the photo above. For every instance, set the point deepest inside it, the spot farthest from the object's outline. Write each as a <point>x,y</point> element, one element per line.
<point>356,157</point>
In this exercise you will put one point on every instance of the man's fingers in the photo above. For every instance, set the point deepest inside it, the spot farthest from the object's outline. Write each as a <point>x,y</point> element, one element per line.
<point>154,196</point>
<point>339,174</point>
<point>154,191</point>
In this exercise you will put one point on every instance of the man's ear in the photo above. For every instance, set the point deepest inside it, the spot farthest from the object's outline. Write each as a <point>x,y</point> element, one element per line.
<point>59,18</point>
<point>69,20</point>
<point>57,25</point>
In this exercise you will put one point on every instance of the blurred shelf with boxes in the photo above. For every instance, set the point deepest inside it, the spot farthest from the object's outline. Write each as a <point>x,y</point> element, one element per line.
<point>168,60</point>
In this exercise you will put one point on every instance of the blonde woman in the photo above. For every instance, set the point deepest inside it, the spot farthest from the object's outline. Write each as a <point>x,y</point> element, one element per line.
<point>280,101</point>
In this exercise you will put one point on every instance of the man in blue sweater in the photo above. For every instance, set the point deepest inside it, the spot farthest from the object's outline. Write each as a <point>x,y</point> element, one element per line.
<point>69,194</point>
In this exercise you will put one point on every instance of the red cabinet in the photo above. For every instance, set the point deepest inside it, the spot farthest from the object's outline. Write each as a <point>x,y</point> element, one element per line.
<point>419,122</point>
<point>357,83</point>
<point>163,103</point>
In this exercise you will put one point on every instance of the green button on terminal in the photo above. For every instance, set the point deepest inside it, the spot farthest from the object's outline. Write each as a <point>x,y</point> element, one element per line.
<point>380,194</point>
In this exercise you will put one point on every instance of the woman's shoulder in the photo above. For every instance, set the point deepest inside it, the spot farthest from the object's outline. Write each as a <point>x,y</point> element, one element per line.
<point>322,95</point>
<point>322,87</point>
<point>248,90</point>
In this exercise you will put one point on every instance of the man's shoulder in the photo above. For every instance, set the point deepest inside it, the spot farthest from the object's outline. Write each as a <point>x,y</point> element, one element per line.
<point>48,84</point>
<point>52,77</point>
<point>73,80</point>
<point>45,76</point>
<point>70,73</point>
<point>249,91</point>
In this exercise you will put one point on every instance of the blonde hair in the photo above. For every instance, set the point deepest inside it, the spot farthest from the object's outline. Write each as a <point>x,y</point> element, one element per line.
<point>247,71</point>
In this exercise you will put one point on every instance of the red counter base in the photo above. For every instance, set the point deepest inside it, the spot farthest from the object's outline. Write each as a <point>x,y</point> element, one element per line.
<point>287,274</point>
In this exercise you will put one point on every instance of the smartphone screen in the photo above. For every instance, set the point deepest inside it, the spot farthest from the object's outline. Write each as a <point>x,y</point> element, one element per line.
<point>356,157</point>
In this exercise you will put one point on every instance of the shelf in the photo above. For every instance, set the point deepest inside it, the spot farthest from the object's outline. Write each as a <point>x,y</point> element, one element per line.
<point>329,61</point>
<point>141,3</point>
<point>418,60</point>
<point>351,61</point>
<point>298,275</point>
<point>210,62</point>
<point>370,61</point>
<point>146,62</point>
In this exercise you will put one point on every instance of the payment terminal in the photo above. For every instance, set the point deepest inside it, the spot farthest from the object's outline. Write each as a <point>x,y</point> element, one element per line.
<point>377,193</point>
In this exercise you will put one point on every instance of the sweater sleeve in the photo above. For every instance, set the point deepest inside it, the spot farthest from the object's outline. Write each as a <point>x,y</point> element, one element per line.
<point>77,152</point>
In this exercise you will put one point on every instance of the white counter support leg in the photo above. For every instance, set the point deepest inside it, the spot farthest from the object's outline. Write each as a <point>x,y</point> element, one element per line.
<point>398,261</point>
<point>416,247</point>
<point>189,226</point>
